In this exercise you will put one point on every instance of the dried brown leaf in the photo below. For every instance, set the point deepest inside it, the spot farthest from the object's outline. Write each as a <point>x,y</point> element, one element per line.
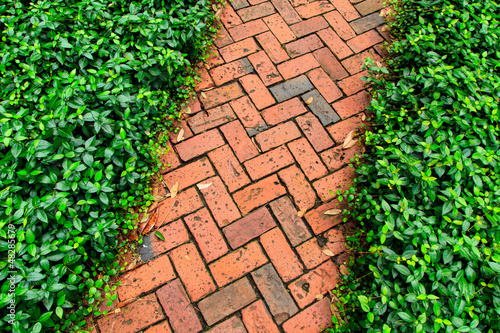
<point>180,135</point>
<point>150,225</point>
<point>319,297</point>
<point>349,137</point>
<point>145,218</point>
<point>188,110</point>
<point>153,207</point>
<point>124,303</point>
<point>255,144</point>
<point>309,101</point>
<point>203,186</point>
<point>363,117</point>
<point>203,95</point>
<point>301,212</point>
<point>174,190</point>
<point>350,144</point>
<point>328,252</point>
<point>334,211</point>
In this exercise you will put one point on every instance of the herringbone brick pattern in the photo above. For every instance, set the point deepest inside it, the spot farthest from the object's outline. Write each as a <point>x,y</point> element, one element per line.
<point>248,247</point>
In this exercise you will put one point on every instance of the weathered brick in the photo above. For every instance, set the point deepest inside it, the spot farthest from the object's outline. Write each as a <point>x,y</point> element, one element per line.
<point>207,235</point>
<point>257,11</point>
<point>248,29</point>
<point>319,281</point>
<point>177,235</point>
<point>178,125</point>
<point>249,227</point>
<point>178,309</point>
<point>272,47</point>
<point>311,254</point>
<point>228,168</point>
<point>199,145</point>
<point>336,158</point>
<point>271,287</point>
<point>232,325</point>
<point>340,180</point>
<point>257,91</point>
<point>193,104</point>
<point>248,115</point>
<point>184,203</point>
<point>320,107</point>
<point>268,163</point>
<point>192,271</point>
<point>221,95</point>
<point>353,84</point>
<point>231,71</point>
<point>265,68</point>
<point>382,50</point>
<point>217,116</point>
<point>291,88</point>
<point>223,37</point>
<point>145,278</point>
<point>133,317</point>
<point>314,132</point>
<point>296,3</point>
<point>258,194</point>
<point>339,130</point>
<point>314,8</point>
<point>219,201</point>
<point>385,32</point>
<point>279,28</point>
<point>346,9</point>
<point>163,327</point>
<point>229,17</point>
<point>364,41</point>
<point>335,43</point>
<point>238,263</point>
<point>355,63</point>
<point>309,162</point>
<point>367,23</point>
<point>238,139</point>
<point>335,241</point>
<point>277,136</point>
<point>238,4</point>
<point>349,106</point>
<point>298,187</point>
<point>257,319</point>
<point>286,11</point>
<point>293,226</point>
<point>189,174</point>
<point>227,301</point>
<point>330,64</point>
<point>238,50</point>
<point>169,160</point>
<point>309,26</point>
<point>205,80</point>
<point>340,25</point>
<point>324,84</point>
<point>256,2</point>
<point>297,66</point>
<point>303,46</point>
<point>214,59</point>
<point>315,318</point>
<point>369,6</point>
<point>283,111</point>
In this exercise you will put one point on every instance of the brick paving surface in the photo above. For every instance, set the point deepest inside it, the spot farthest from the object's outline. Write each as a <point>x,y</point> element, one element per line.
<point>248,245</point>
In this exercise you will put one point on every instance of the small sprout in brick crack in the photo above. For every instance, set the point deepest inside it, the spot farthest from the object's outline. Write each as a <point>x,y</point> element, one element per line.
<point>160,236</point>
<point>203,186</point>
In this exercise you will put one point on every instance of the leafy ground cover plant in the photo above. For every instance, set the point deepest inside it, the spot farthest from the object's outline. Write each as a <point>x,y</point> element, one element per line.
<point>429,190</point>
<point>86,87</point>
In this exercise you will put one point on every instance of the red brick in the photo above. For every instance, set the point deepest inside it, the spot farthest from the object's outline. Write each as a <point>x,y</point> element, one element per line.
<point>381,50</point>
<point>231,71</point>
<point>248,115</point>
<point>340,25</point>
<point>364,41</point>
<point>192,271</point>
<point>238,140</point>
<point>207,235</point>
<point>337,157</point>
<point>284,111</point>
<point>346,9</point>
<point>238,50</point>
<point>309,26</point>
<point>163,327</point>
<point>238,263</point>
<point>219,201</point>
<point>384,31</point>
<point>227,301</point>
<point>296,3</point>
<point>257,11</point>
<point>184,203</point>
<point>178,125</point>
<point>272,47</point>
<point>178,309</point>
<point>354,63</point>
<point>223,38</point>
<point>258,194</point>
<point>330,64</point>
<point>319,281</point>
<point>252,2</point>
<point>231,325</point>
<point>315,318</point>
<point>217,116</point>
<point>248,29</point>
<point>339,130</point>
<point>221,95</point>
<point>199,145</point>
<point>257,319</point>
<point>169,160</point>
<point>324,84</point>
<point>299,188</point>
<point>348,107</point>
<point>189,174</point>
<point>214,59</point>
<point>353,84</point>
<point>277,136</point>
<point>311,253</point>
<point>261,97</point>
<point>369,6</point>
<point>303,46</point>
<point>297,66</point>
<point>229,17</point>
<point>268,163</point>
<point>309,162</point>
<point>335,43</point>
<point>314,8</point>
<point>133,317</point>
<point>340,180</point>
<point>205,80</point>
<point>177,235</point>
<point>265,68</point>
<point>335,241</point>
<point>283,258</point>
<point>293,226</point>
<point>249,227</point>
<point>145,278</point>
<point>228,168</point>
<point>286,11</point>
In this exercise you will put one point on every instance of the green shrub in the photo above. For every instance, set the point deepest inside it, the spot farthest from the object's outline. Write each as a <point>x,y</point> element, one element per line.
<point>86,87</point>
<point>429,191</point>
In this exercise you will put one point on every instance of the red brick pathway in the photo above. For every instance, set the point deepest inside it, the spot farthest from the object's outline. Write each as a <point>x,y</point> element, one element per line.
<point>261,148</point>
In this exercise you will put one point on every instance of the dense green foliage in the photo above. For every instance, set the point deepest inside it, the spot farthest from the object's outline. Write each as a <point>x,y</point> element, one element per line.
<point>429,190</point>
<point>86,86</point>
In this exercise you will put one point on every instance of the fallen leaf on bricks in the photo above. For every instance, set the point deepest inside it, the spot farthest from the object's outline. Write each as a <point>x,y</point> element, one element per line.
<point>319,297</point>
<point>203,95</point>
<point>174,190</point>
<point>203,186</point>
<point>309,101</point>
<point>328,252</point>
<point>180,135</point>
<point>334,211</point>
<point>348,139</point>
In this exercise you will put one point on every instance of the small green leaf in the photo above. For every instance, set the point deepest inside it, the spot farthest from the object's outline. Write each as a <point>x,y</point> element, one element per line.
<point>160,236</point>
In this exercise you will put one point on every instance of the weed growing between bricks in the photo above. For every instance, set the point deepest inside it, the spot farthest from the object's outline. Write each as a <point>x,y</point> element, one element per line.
<point>428,250</point>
